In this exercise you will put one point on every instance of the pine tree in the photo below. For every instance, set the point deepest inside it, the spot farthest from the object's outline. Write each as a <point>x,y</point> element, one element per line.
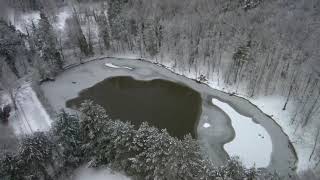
<point>45,42</point>
<point>66,131</point>
<point>10,168</point>
<point>76,35</point>
<point>104,34</point>
<point>152,149</point>
<point>117,21</point>
<point>151,34</point>
<point>240,57</point>
<point>13,49</point>
<point>35,154</point>
<point>93,121</point>
<point>115,145</point>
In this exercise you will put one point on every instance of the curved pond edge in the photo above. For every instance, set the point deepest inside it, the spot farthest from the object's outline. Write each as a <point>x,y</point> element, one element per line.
<point>249,135</point>
<point>226,99</point>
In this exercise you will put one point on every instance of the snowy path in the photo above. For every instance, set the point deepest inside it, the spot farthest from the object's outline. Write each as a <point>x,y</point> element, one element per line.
<point>30,116</point>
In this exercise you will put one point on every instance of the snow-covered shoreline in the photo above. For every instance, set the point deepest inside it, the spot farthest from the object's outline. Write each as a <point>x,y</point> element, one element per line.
<point>244,128</point>
<point>148,73</point>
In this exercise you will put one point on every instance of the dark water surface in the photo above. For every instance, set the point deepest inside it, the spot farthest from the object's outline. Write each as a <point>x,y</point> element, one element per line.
<point>161,103</point>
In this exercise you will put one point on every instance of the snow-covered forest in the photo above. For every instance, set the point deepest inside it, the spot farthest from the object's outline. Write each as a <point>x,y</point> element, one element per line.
<point>266,51</point>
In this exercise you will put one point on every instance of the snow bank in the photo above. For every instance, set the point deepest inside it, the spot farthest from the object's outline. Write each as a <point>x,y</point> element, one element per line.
<point>62,16</point>
<point>117,67</point>
<point>252,142</point>
<point>302,141</point>
<point>206,125</point>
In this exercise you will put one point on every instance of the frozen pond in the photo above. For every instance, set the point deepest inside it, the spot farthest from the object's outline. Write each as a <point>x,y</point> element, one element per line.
<point>227,125</point>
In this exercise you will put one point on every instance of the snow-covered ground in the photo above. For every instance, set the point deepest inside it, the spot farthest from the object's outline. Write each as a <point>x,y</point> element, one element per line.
<point>98,174</point>
<point>30,115</point>
<point>61,18</point>
<point>247,131</point>
<point>25,20</point>
<point>302,141</point>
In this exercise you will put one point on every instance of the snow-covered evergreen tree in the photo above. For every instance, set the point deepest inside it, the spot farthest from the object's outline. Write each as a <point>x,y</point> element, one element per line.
<point>66,131</point>
<point>152,151</point>
<point>36,155</point>
<point>13,50</point>
<point>104,30</point>
<point>150,36</point>
<point>241,57</point>
<point>76,35</point>
<point>44,41</point>
<point>10,168</point>
<point>115,144</point>
<point>92,124</point>
<point>117,22</point>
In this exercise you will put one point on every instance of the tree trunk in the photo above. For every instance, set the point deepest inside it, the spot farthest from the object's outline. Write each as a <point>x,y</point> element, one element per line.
<point>13,99</point>
<point>288,97</point>
<point>315,144</point>
<point>310,111</point>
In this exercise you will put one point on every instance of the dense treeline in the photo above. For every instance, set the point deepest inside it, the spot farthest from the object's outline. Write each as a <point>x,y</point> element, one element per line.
<point>13,50</point>
<point>143,153</point>
<point>32,5</point>
<point>37,50</point>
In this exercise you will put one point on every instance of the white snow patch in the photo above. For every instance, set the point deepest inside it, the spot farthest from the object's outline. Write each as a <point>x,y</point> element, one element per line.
<point>61,19</point>
<point>25,20</point>
<point>117,67</point>
<point>206,125</point>
<point>102,174</point>
<point>4,100</point>
<point>30,116</point>
<point>252,143</point>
